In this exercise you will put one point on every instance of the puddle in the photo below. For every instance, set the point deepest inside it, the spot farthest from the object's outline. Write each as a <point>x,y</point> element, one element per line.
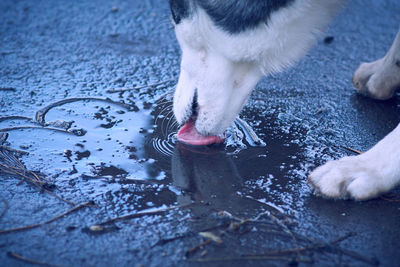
<point>124,156</point>
<point>126,151</point>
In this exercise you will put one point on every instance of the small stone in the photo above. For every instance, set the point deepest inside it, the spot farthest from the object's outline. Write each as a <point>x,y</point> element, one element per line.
<point>96,228</point>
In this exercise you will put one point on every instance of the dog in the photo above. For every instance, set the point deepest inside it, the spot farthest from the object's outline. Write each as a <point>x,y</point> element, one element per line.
<point>228,46</point>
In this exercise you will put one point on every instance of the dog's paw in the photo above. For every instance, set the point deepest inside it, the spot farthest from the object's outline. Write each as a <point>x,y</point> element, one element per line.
<point>381,78</point>
<point>377,79</point>
<point>349,177</point>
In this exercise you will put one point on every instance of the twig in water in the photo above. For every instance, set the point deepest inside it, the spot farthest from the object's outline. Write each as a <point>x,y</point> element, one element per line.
<point>121,90</point>
<point>10,164</point>
<point>394,199</point>
<point>286,229</point>
<point>333,247</point>
<point>279,254</point>
<point>5,208</point>
<point>146,213</point>
<point>353,150</point>
<point>270,205</point>
<point>40,114</point>
<point>232,226</point>
<point>301,249</point>
<point>250,258</point>
<point>164,241</point>
<point>8,88</point>
<point>187,234</point>
<point>276,220</point>
<point>16,118</point>
<point>391,197</point>
<point>23,228</point>
<point>60,198</point>
<point>35,127</point>
<point>27,260</point>
<point>3,138</point>
<point>354,255</point>
<point>13,150</point>
<point>194,249</point>
<point>3,53</point>
<point>235,224</point>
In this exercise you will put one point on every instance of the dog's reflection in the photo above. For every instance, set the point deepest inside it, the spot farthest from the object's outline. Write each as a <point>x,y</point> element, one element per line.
<point>207,175</point>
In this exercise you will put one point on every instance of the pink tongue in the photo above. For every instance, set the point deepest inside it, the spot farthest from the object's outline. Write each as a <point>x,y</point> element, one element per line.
<point>188,134</point>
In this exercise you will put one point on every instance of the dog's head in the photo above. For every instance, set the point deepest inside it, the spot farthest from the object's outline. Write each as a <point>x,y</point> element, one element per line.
<point>227,46</point>
<point>213,84</point>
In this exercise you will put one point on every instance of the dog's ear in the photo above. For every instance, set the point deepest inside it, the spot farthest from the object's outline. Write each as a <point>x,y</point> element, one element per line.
<point>179,10</point>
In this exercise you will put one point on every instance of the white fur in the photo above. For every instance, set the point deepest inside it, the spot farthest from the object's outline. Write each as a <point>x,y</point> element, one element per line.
<point>224,68</point>
<point>364,176</point>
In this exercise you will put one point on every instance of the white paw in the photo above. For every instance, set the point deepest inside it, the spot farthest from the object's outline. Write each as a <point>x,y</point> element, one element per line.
<point>349,177</point>
<point>370,80</point>
<point>381,78</point>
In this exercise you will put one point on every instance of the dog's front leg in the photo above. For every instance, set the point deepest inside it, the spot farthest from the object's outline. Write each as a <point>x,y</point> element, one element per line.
<point>380,79</point>
<point>364,176</point>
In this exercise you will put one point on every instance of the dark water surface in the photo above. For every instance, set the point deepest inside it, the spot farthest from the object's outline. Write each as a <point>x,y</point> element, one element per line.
<point>245,202</point>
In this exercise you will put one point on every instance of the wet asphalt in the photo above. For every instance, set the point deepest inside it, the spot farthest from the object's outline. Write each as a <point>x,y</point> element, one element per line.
<point>118,150</point>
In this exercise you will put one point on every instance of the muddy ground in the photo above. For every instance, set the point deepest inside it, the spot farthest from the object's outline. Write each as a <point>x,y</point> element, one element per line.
<point>106,157</point>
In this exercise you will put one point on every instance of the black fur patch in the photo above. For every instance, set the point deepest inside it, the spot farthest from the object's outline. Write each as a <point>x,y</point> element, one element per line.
<point>180,9</point>
<point>236,16</point>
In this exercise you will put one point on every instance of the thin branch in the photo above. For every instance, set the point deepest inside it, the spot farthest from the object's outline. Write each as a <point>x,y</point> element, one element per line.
<point>27,260</point>
<point>194,249</point>
<point>8,88</point>
<point>187,234</point>
<point>23,228</point>
<point>3,138</point>
<point>353,150</point>
<point>60,198</point>
<point>13,150</point>
<point>302,249</point>
<point>40,114</point>
<point>286,229</point>
<point>391,197</point>
<point>13,166</point>
<point>275,208</point>
<point>354,255</point>
<point>249,258</point>
<point>333,247</point>
<point>164,241</point>
<point>233,226</point>
<point>5,208</point>
<point>35,127</point>
<point>16,118</point>
<point>146,213</point>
